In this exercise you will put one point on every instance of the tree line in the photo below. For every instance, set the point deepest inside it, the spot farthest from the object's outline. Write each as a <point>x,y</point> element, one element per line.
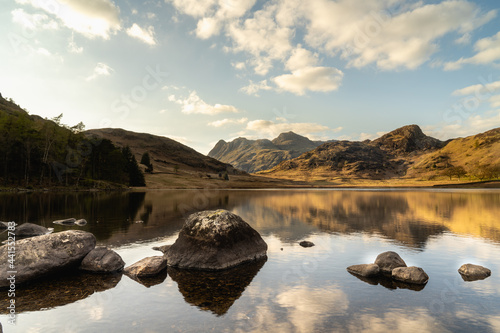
<point>36,152</point>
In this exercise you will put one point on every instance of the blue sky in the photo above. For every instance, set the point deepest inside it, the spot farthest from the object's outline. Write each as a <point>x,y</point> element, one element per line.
<point>200,71</point>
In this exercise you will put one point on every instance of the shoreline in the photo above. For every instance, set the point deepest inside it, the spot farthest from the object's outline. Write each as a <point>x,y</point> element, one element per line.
<point>490,184</point>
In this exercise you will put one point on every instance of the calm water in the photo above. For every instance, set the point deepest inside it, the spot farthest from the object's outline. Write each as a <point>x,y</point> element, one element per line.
<point>297,289</point>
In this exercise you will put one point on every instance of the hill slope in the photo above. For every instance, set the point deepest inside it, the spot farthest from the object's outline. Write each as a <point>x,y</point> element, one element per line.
<point>257,155</point>
<point>165,152</point>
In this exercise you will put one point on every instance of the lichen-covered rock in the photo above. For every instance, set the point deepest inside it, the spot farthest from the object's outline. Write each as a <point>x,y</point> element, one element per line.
<point>389,260</point>
<point>149,266</point>
<point>102,260</point>
<point>214,240</point>
<point>30,230</point>
<point>412,274</point>
<point>366,270</point>
<point>42,255</point>
<point>470,272</point>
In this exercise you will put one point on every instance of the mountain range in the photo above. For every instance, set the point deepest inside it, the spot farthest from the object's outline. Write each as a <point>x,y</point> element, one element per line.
<point>258,155</point>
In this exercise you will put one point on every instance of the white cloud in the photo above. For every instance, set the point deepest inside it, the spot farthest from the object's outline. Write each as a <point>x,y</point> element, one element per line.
<point>495,101</point>
<point>195,105</point>
<point>145,35</point>
<point>33,21</point>
<point>474,124</point>
<point>239,65</point>
<point>195,8</point>
<point>92,18</point>
<point>377,33</point>
<point>271,129</point>
<point>301,58</point>
<point>481,92</point>
<point>253,88</point>
<point>101,69</point>
<point>261,37</point>
<point>226,121</point>
<point>72,47</point>
<point>370,136</point>
<point>310,78</point>
<point>207,27</point>
<point>487,52</point>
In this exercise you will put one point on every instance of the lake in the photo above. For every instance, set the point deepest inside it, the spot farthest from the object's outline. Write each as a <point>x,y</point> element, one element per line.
<point>297,289</point>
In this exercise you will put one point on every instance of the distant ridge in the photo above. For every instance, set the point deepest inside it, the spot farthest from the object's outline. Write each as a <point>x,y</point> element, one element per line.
<point>257,155</point>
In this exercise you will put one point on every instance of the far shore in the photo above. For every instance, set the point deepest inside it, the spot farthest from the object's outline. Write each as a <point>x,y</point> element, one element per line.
<point>277,184</point>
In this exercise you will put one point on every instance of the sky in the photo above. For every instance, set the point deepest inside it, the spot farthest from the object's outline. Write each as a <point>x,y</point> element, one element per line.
<point>198,71</point>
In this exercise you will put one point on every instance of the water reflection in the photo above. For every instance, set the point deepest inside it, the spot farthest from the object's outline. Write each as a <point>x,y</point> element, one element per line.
<point>215,291</point>
<point>407,217</point>
<point>64,289</point>
<point>150,281</point>
<point>389,283</point>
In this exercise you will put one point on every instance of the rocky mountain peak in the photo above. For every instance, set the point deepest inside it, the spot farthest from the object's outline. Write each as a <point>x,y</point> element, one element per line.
<point>407,139</point>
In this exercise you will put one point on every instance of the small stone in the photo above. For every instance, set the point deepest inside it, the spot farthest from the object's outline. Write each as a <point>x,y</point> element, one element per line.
<point>412,274</point>
<point>470,272</point>
<point>102,260</point>
<point>389,260</point>
<point>149,266</point>
<point>365,270</point>
<point>81,222</point>
<point>306,244</point>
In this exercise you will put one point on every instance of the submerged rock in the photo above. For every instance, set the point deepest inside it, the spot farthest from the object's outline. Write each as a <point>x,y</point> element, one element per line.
<point>81,222</point>
<point>214,240</point>
<point>102,260</point>
<point>389,260</point>
<point>30,230</point>
<point>70,221</point>
<point>306,244</point>
<point>412,274</point>
<point>366,270</point>
<point>47,254</point>
<point>470,272</point>
<point>149,266</point>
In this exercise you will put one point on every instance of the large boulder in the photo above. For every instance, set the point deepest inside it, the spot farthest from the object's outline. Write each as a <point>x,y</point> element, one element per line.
<point>412,274</point>
<point>30,230</point>
<point>389,260</point>
<point>149,266</point>
<point>102,260</point>
<point>470,272</point>
<point>213,240</point>
<point>366,270</point>
<point>42,255</point>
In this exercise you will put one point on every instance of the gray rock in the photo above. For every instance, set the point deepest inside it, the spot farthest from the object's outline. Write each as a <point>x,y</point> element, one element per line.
<point>42,255</point>
<point>306,244</point>
<point>412,274</point>
<point>30,229</point>
<point>70,221</point>
<point>470,272</point>
<point>389,260</point>
<point>366,270</point>
<point>102,260</point>
<point>149,266</point>
<point>214,240</point>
